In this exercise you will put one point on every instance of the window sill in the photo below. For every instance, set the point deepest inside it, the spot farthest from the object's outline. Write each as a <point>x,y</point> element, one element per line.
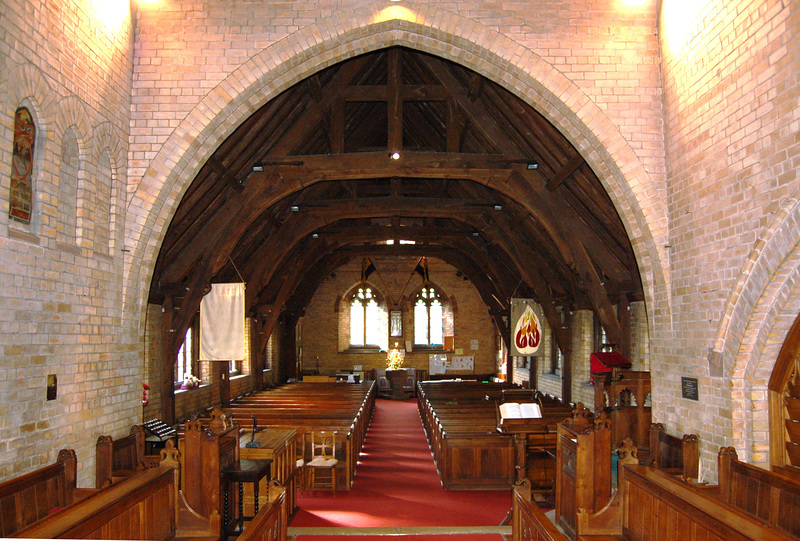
<point>367,349</point>
<point>430,349</point>
<point>555,377</point>
<point>179,390</point>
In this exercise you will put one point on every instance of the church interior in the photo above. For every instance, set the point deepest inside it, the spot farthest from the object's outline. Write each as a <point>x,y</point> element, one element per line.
<point>252,249</point>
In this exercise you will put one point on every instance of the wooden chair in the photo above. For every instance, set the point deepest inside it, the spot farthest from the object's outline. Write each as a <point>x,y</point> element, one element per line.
<point>300,467</point>
<point>410,383</point>
<point>384,389</point>
<point>323,458</point>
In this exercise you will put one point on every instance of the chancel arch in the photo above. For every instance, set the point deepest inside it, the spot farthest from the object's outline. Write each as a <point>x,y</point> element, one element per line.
<point>212,120</point>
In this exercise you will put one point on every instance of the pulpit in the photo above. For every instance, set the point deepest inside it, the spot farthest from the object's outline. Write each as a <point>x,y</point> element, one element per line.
<point>625,394</point>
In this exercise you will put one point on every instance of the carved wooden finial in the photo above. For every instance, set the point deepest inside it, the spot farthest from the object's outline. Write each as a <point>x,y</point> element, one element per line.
<point>170,456</point>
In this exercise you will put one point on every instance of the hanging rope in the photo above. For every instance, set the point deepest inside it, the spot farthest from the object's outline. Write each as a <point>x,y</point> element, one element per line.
<point>237,271</point>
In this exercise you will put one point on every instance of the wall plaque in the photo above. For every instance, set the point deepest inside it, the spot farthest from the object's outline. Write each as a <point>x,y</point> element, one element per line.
<point>689,388</point>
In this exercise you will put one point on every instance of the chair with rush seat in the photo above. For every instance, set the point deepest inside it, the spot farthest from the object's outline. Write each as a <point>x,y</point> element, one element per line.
<point>323,459</point>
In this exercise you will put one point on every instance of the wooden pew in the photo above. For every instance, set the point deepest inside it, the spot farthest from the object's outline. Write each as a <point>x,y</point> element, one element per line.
<point>674,455</point>
<point>460,420</point>
<point>270,524</point>
<point>654,505</point>
<point>121,458</point>
<point>529,522</point>
<point>306,407</point>
<point>208,448</point>
<point>280,446</point>
<point>33,496</point>
<point>139,507</point>
<point>770,496</point>
<point>583,467</point>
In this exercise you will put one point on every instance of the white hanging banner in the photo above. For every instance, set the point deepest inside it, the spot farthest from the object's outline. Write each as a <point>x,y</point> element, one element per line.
<point>526,328</point>
<point>222,323</point>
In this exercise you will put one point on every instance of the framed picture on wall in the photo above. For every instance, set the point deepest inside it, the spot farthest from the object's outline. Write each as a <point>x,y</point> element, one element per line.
<point>395,323</point>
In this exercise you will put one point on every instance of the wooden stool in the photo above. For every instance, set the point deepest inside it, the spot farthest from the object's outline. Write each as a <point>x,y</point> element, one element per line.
<point>243,471</point>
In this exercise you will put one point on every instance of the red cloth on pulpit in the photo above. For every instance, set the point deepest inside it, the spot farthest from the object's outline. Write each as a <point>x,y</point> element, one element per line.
<point>603,361</point>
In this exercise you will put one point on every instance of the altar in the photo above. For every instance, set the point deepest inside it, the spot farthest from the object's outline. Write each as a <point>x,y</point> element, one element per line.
<point>398,379</point>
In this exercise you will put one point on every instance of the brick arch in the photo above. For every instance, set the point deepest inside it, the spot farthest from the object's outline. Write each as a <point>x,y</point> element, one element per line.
<point>105,138</point>
<point>432,30</point>
<point>757,317</point>
<point>71,116</point>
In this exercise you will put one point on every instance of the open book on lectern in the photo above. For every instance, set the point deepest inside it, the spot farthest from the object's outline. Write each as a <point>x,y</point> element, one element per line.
<point>514,410</point>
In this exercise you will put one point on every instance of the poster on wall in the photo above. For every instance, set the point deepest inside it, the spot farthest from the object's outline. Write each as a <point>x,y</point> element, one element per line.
<point>462,363</point>
<point>526,328</point>
<point>437,364</point>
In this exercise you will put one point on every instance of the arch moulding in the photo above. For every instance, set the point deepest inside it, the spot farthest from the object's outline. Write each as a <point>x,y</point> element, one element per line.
<point>427,29</point>
<point>759,313</point>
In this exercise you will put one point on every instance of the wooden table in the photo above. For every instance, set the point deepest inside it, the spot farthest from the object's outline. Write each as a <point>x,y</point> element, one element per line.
<point>243,471</point>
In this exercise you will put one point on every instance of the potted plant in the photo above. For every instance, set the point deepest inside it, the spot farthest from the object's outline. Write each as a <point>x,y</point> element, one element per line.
<point>190,382</point>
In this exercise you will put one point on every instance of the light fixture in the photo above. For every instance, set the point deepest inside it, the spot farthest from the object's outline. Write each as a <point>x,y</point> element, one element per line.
<point>498,207</point>
<point>257,168</point>
<point>294,208</point>
<point>314,235</point>
<point>475,233</point>
<point>532,165</point>
<point>394,155</point>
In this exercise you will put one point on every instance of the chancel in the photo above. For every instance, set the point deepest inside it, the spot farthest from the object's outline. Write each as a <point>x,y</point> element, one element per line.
<point>234,228</point>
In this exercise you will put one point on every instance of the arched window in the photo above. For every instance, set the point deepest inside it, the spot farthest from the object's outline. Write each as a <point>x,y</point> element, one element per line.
<point>428,318</point>
<point>21,197</point>
<point>68,188</point>
<point>186,366</point>
<point>364,318</point>
<point>103,204</point>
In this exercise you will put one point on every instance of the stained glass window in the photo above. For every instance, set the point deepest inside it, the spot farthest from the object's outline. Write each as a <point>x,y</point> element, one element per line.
<point>21,197</point>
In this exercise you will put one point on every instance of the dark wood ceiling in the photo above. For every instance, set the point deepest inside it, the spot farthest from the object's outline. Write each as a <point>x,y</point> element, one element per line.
<point>306,184</point>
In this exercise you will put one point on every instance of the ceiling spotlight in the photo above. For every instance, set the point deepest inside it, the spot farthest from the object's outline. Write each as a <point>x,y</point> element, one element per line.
<point>475,233</point>
<point>258,168</point>
<point>498,207</point>
<point>532,165</point>
<point>394,155</point>
<point>314,235</point>
<point>294,208</point>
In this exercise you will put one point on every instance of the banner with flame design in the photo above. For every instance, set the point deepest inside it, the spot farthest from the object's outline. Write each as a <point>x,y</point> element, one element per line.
<point>527,334</point>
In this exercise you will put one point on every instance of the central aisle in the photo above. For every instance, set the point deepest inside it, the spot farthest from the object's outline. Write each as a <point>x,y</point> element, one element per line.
<point>397,485</point>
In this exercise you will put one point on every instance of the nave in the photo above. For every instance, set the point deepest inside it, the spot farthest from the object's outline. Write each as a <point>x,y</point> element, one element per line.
<point>397,492</point>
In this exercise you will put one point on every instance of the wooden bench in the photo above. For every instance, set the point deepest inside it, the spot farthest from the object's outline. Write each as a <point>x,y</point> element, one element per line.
<point>307,407</point>
<point>34,496</point>
<point>460,420</point>
<point>653,504</point>
<point>271,521</point>
<point>529,522</point>
<point>770,496</point>
<point>139,507</point>
<point>583,467</point>
<point>674,455</point>
<point>280,446</point>
<point>121,458</point>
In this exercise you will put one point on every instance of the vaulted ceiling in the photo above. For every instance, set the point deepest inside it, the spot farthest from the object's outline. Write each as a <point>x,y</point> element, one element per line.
<point>482,182</point>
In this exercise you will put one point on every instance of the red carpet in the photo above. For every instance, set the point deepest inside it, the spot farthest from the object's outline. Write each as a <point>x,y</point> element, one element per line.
<point>397,485</point>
